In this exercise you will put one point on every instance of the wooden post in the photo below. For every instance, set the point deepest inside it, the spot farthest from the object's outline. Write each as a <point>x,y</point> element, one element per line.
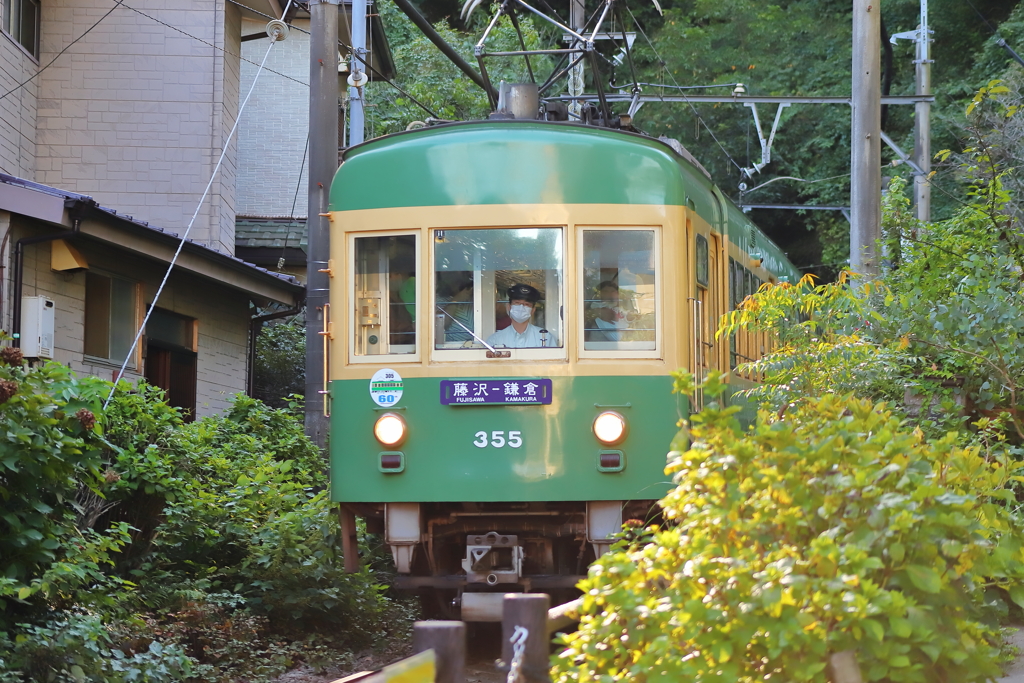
<point>448,641</point>
<point>529,610</point>
<point>844,668</point>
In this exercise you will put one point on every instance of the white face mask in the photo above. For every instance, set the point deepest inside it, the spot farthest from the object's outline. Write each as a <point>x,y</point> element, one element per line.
<point>520,313</point>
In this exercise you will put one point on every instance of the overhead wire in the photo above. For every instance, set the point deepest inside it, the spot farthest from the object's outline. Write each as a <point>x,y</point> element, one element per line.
<point>206,42</point>
<point>1000,41</point>
<point>366,63</point>
<point>184,237</point>
<point>670,75</point>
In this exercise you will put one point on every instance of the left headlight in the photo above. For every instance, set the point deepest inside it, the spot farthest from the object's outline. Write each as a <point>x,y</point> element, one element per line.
<point>390,429</point>
<point>610,428</point>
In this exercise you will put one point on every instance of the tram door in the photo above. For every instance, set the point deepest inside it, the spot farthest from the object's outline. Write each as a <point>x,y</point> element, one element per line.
<point>704,308</point>
<point>713,308</point>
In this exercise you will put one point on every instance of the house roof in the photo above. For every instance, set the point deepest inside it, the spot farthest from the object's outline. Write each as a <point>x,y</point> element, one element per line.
<point>64,208</point>
<point>270,232</point>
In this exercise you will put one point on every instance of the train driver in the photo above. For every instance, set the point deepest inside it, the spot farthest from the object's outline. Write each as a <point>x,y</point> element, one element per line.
<point>521,334</point>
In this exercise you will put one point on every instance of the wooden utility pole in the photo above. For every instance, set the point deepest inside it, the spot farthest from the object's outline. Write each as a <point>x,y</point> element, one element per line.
<point>866,140</point>
<point>323,162</point>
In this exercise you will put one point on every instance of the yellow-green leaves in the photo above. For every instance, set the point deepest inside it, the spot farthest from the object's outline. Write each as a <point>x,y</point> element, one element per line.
<point>830,528</point>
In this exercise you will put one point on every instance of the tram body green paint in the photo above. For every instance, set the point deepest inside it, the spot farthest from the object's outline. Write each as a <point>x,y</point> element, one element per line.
<point>558,460</point>
<point>515,162</point>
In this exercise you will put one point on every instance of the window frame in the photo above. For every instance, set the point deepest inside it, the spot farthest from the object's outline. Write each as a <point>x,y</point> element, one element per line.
<point>659,305</point>
<point>350,268</point>
<point>7,8</point>
<point>135,361</point>
<point>554,353</point>
<point>697,239</point>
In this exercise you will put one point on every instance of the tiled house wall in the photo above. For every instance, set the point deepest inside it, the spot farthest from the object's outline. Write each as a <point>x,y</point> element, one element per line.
<point>272,132</point>
<point>221,312</point>
<point>137,115</point>
<point>17,110</point>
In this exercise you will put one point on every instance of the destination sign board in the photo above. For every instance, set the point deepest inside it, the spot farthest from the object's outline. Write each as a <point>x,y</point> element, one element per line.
<point>475,392</point>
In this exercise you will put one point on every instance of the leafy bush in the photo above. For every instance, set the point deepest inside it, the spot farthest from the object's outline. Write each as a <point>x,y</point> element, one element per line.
<point>827,341</point>
<point>832,527</point>
<point>280,369</point>
<point>79,648</point>
<point>49,447</point>
<point>222,526</point>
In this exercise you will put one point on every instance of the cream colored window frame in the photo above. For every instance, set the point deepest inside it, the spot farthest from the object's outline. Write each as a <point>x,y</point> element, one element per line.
<point>350,255</point>
<point>659,307</point>
<point>480,355</point>
<point>135,362</point>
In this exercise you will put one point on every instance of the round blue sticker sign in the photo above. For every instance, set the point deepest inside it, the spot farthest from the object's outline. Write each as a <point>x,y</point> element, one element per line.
<point>386,387</point>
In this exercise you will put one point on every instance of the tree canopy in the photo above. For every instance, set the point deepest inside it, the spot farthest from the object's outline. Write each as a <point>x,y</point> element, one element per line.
<point>799,47</point>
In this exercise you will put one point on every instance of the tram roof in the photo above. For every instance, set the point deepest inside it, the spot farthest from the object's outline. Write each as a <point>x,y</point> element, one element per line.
<point>514,162</point>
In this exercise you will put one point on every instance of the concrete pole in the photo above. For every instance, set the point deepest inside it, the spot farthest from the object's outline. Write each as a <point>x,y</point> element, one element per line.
<point>356,116</point>
<point>323,162</point>
<point>866,140</point>
<point>922,120</point>
<point>576,84</point>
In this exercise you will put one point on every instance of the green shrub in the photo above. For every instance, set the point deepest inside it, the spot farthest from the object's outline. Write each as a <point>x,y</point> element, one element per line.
<point>832,527</point>
<point>81,648</point>
<point>49,455</point>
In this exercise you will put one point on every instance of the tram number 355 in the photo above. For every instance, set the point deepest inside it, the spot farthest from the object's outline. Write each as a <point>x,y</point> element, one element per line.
<point>497,439</point>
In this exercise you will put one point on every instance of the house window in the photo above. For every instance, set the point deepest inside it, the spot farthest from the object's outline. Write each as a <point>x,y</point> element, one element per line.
<point>21,21</point>
<point>171,358</point>
<point>111,316</point>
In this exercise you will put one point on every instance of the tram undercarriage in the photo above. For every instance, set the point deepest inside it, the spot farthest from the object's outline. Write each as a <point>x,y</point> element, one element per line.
<point>463,557</point>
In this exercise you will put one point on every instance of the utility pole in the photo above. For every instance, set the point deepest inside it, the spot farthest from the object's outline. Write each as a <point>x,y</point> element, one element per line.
<point>866,140</point>
<point>323,162</point>
<point>357,74</point>
<point>922,119</point>
<point>577,20</point>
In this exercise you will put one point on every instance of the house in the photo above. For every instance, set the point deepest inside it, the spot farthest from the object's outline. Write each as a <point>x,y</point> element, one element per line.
<point>98,271</point>
<point>128,105</point>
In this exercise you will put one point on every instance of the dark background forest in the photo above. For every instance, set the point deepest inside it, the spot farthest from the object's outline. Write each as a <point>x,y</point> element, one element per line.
<point>802,47</point>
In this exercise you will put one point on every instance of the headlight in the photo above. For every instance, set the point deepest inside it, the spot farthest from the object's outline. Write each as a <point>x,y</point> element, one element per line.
<point>610,428</point>
<point>390,429</point>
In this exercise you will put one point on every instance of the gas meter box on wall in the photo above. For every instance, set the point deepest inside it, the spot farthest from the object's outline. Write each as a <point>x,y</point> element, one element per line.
<point>37,320</point>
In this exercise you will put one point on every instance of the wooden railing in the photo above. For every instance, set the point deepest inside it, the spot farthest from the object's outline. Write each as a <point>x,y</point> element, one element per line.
<point>527,624</point>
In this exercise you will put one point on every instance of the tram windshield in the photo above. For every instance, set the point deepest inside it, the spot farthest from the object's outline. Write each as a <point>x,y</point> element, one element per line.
<point>619,290</point>
<point>499,288</point>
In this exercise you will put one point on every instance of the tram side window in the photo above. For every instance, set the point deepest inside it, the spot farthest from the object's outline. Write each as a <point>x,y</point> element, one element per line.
<point>702,260</point>
<point>619,307</point>
<point>385,284</point>
<point>498,287</point>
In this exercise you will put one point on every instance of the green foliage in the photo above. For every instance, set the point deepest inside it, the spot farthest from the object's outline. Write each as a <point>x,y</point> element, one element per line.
<point>80,648</point>
<point>432,79</point>
<point>219,533</point>
<point>280,369</point>
<point>50,449</point>
<point>825,341</point>
<point>833,527</point>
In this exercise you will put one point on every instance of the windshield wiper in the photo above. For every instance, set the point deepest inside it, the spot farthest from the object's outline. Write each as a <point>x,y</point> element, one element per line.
<point>491,351</point>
